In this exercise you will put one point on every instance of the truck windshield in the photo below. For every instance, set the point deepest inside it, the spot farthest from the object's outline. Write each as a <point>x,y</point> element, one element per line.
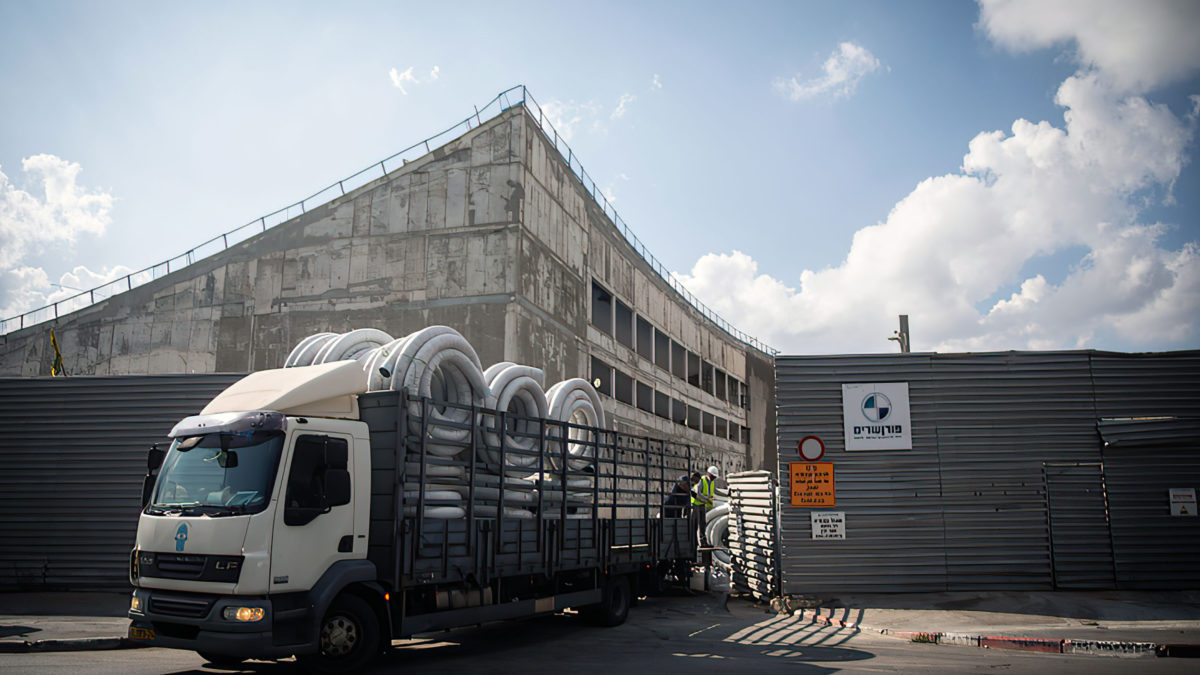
<point>217,474</point>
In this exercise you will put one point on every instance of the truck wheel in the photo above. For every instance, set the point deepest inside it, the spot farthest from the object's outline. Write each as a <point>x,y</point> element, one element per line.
<point>614,603</point>
<point>347,639</point>
<point>221,660</point>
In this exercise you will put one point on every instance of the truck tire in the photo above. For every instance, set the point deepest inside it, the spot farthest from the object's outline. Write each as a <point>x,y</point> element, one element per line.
<point>347,639</point>
<point>221,660</point>
<point>615,600</point>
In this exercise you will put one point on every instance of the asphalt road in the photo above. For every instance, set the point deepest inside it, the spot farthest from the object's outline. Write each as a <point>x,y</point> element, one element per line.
<point>677,634</point>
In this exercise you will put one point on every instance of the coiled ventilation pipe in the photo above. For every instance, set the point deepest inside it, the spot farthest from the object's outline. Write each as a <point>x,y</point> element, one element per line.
<point>439,364</point>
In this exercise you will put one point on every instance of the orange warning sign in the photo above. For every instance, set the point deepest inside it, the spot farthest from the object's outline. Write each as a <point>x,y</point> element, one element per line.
<point>812,483</point>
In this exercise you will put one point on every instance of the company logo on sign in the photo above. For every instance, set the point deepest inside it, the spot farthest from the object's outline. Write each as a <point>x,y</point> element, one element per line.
<point>180,536</point>
<point>876,416</point>
<point>876,407</point>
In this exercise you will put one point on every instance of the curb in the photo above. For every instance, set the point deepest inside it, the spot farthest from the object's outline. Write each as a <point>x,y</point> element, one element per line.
<point>1041,645</point>
<point>93,644</point>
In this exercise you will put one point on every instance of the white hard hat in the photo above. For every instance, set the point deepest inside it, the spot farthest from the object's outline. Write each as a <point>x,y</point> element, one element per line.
<point>713,471</point>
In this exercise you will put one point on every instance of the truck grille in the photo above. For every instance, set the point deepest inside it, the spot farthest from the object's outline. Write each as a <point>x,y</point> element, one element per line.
<point>180,605</point>
<point>180,566</point>
<point>190,567</point>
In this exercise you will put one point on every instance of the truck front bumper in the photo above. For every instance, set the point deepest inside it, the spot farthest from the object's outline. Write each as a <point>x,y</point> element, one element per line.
<point>196,621</point>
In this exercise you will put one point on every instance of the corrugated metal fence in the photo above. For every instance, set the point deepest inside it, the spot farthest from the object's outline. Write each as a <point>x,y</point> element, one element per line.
<point>1005,453</point>
<point>73,452</point>
<point>752,533</point>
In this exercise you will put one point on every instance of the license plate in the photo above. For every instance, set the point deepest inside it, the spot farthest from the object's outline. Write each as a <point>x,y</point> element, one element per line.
<point>141,633</point>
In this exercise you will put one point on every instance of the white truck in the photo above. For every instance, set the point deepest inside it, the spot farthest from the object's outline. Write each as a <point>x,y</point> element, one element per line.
<point>298,515</point>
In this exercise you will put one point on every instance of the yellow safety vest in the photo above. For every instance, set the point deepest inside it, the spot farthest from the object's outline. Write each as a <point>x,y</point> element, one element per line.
<point>708,489</point>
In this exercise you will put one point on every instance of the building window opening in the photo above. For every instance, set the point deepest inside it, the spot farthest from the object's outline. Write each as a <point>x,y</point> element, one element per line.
<point>645,397</point>
<point>662,350</point>
<point>623,387</point>
<point>693,417</point>
<point>719,380</point>
<point>693,369</point>
<point>722,428</point>
<point>602,308</point>
<point>624,327</point>
<point>602,376</point>
<point>678,360</point>
<point>662,405</point>
<point>706,376</point>
<point>645,339</point>
<point>678,411</point>
<point>706,423</point>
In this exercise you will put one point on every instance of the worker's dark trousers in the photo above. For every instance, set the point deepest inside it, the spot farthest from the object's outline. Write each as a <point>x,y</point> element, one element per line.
<point>698,522</point>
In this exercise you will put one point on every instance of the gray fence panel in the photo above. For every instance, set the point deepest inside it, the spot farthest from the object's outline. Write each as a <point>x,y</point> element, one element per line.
<point>895,533</point>
<point>752,533</point>
<point>966,508</point>
<point>74,453</point>
<point>1144,458</point>
<point>1081,544</point>
<point>1139,385</point>
<point>999,417</point>
<point>1152,548</point>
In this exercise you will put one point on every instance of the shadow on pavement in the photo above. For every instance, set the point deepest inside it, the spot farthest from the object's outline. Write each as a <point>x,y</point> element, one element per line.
<point>10,630</point>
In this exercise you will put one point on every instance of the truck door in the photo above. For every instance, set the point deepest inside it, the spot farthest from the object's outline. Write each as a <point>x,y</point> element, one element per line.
<point>311,531</point>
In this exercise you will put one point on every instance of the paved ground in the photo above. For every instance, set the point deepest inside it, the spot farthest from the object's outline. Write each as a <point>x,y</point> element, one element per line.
<point>1160,618</point>
<point>850,632</point>
<point>693,634</point>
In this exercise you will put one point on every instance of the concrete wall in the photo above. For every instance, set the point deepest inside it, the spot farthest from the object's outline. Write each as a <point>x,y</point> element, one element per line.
<point>491,234</point>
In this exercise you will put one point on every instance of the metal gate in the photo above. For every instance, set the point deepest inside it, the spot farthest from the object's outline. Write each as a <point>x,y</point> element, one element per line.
<point>1080,537</point>
<point>753,527</point>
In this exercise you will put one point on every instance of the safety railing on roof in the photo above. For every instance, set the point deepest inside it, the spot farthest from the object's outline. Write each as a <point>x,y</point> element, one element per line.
<point>501,103</point>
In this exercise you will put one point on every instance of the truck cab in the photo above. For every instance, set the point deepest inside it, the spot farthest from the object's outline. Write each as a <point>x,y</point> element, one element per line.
<point>258,519</point>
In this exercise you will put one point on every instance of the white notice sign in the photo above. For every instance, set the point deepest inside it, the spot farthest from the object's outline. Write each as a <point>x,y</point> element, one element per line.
<point>1183,501</point>
<point>876,416</point>
<point>828,524</point>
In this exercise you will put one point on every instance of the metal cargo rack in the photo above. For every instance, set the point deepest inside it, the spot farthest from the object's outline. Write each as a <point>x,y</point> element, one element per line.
<point>597,509</point>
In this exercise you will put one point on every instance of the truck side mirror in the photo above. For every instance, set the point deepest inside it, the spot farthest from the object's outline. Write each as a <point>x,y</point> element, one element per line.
<point>154,458</point>
<point>147,488</point>
<point>337,487</point>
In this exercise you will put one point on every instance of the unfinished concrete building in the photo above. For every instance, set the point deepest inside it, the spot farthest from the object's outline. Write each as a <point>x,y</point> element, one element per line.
<point>493,233</point>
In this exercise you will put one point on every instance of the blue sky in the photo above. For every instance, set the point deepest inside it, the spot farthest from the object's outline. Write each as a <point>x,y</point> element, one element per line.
<point>809,169</point>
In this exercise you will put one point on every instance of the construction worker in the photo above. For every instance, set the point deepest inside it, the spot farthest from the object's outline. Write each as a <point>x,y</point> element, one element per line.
<point>703,493</point>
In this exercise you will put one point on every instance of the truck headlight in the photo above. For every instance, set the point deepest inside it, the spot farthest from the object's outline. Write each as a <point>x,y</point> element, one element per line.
<point>135,604</point>
<point>246,614</point>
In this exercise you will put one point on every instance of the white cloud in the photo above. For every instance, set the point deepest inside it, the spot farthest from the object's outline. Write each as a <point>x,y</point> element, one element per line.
<point>841,73</point>
<point>656,83</point>
<point>30,288</point>
<point>58,214</point>
<point>51,215</point>
<point>621,108</point>
<point>567,117</point>
<point>1138,45</point>
<point>399,79</point>
<point>954,253</point>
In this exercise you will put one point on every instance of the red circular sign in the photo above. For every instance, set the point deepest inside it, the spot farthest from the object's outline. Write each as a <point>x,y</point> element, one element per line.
<point>811,448</point>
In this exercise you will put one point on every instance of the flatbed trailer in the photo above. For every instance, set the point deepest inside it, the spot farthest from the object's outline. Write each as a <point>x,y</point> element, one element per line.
<point>563,556</point>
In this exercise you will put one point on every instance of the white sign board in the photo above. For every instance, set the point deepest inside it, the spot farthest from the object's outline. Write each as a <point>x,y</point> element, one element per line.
<point>1183,501</point>
<point>828,524</point>
<point>876,416</point>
